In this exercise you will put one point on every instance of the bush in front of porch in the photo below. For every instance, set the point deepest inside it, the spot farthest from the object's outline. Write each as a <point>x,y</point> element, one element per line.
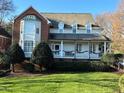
<point>82,66</point>
<point>42,55</point>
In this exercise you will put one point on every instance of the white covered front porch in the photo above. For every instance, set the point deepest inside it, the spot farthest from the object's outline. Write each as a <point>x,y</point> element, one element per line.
<point>79,49</point>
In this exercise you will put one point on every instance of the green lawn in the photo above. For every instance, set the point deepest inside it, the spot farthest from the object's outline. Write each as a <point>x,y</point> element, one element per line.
<point>62,83</point>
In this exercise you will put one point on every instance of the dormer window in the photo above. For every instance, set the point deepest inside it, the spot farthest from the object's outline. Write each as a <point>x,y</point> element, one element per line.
<point>88,27</point>
<point>61,27</point>
<point>74,27</point>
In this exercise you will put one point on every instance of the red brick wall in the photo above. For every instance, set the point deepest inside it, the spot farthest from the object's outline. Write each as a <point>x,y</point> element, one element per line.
<point>4,43</point>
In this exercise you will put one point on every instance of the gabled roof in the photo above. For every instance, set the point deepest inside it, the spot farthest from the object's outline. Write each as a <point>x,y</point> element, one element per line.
<point>31,11</point>
<point>69,18</point>
<point>4,33</point>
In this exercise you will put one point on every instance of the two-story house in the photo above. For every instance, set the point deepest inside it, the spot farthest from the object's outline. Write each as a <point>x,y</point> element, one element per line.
<point>69,35</point>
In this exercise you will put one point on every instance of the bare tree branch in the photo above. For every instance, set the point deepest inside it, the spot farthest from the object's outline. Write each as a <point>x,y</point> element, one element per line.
<point>6,7</point>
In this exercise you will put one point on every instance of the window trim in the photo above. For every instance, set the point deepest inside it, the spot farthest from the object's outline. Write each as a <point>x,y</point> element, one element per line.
<point>28,46</point>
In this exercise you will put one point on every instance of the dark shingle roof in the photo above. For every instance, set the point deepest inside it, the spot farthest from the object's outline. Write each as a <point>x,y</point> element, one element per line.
<point>85,37</point>
<point>4,33</point>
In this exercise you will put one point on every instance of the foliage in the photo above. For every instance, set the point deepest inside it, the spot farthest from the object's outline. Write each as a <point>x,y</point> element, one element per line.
<point>14,54</point>
<point>6,8</point>
<point>71,66</point>
<point>3,64</point>
<point>108,59</point>
<point>100,66</point>
<point>81,66</point>
<point>113,24</point>
<point>118,57</point>
<point>4,72</point>
<point>42,55</point>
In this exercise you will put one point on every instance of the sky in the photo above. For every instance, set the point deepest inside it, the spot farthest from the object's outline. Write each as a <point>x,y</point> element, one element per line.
<point>94,7</point>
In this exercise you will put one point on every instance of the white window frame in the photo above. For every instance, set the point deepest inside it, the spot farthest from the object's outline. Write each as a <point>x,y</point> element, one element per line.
<point>53,47</point>
<point>79,47</point>
<point>74,28</point>
<point>61,27</point>
<point>88,27</point>
<point>28,46</point>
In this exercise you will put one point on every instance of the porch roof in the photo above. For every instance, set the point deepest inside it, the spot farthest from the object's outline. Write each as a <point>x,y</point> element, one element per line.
<point>85,37</point>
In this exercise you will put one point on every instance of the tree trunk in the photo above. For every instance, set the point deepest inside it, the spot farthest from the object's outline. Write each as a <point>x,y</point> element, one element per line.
<point>12,68</point>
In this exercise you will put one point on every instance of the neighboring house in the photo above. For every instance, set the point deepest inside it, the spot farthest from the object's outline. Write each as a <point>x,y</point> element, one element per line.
<point>5,39</point>
<point>70,35</point>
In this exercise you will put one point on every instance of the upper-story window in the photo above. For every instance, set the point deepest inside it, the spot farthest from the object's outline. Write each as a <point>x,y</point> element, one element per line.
<point>37,30</point>
<point>30,17</point>
<point>88,27</point>
<point>61,27</point>
<point>74,27</point>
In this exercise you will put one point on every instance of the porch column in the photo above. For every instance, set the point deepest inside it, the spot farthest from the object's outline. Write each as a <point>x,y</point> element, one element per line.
<point>105,48</point>
<point>89,49</point>
<point>110,48</point>
<point>61,50</point>
<point>75,50</point>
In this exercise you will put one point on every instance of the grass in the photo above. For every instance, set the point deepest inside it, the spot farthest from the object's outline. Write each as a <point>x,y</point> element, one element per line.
<point>96,82</point>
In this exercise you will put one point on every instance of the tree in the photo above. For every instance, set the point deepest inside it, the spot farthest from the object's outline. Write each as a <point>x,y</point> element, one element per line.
<point>6,8</point>
<point>42,55</point>
<point>14,54</point>
<point>113,24</point>
<point>104,21</point>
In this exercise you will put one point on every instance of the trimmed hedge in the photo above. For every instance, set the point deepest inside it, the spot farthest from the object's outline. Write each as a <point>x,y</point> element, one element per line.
<point>81,66</point>
<point>70,66</point>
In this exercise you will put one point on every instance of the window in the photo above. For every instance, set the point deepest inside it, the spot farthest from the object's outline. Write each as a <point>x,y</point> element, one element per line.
<point>28,46</point>
<point>74,28</point>
<point>55,47</point>
<point>61,27</point>
<point>37,30</point>
<point>92,47</point>
<point>88,27</point>
<point>79,47</point>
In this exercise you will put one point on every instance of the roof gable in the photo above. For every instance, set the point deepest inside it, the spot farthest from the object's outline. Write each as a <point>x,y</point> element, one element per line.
<point>31,11</point>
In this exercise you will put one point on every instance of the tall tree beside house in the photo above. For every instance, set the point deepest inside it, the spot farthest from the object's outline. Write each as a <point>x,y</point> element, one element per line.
<point>113,24</point>
<point>6,8</point>
<point>42,55</point>
<point>104,20</point>
<point>14,55</point>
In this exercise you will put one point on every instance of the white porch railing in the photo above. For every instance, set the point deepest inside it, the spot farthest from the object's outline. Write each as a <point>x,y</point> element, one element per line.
<point>77,55</point>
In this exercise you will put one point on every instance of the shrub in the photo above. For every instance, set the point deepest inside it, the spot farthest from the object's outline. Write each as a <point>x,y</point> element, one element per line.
<point>81,66</point>
<point>14,54</point>
<point>28,67</point>
<point>4,72</point>
<point>71,66</point>
<point>108,59</point>
<point>118,57</point>
<point>3,64</point>
<point>42,55</point>
<point>99,66</point>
